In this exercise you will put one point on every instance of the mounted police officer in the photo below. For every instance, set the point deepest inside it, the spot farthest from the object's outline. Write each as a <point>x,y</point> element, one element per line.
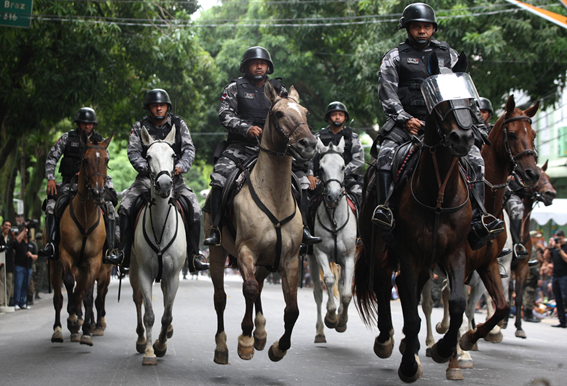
<point>515,191</point>
<point>486,112</point>
<point>337,116</point>
<point>243,111</point>
<point>159,123</point>
<point>402,72</point>
<point>70,147</point>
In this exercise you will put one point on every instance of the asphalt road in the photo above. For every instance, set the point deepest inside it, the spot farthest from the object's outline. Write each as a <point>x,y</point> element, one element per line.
<point>29,358</point>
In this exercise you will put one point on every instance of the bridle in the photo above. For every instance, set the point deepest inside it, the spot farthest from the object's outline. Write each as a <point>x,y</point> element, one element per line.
<point>155,177</point>
<point>88,177</point>
<point>279,129</point>
<point>439,119</point>
<point>506,144</point>
<point>327,182</point>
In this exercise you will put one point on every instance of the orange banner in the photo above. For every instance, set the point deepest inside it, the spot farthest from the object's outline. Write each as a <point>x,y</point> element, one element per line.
<point>553,17</point>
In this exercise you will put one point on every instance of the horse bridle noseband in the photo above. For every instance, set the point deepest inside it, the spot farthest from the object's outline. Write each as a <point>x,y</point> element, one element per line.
<point>326,182</point>
<point>88,177</point>
<point>508,149</point>
<point>154,178</point>
<point>279,129</point>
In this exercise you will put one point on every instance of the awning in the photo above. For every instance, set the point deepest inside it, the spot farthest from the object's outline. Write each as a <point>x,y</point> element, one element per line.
<point>557,212</point>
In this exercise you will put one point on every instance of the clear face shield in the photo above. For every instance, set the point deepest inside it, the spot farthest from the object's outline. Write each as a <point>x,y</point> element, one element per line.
<point>447,87</point>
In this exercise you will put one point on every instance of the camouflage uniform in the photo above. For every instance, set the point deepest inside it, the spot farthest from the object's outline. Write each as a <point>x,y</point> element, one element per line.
<point>141,185</point>
<point>515,207</point>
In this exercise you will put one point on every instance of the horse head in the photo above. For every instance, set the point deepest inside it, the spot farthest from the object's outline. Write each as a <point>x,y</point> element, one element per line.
<point>449,94</point>
<point>544,191</point>
<point>161,162</point>
<point>289,119</point>
<point>332,171</point>
<point>94,166</point>
<point>514,137</point>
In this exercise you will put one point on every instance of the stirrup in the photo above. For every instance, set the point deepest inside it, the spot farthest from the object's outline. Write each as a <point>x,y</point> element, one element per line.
<point>520,251</point>
<point>114,257</point>
<point>387,223</point>
<point>212,239</point>
<point>197,265</point>
<point>493,227</point>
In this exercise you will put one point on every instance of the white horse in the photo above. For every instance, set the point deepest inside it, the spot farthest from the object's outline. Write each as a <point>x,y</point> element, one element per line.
<point>336,225</point>
<point>159,248</point>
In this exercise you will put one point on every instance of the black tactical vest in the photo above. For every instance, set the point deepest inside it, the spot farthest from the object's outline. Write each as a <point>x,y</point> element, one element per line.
<point>413,71</point>
<point>327,136</point>
<point>161,134</point>
<point>253,106</point>
<point>73,154</point>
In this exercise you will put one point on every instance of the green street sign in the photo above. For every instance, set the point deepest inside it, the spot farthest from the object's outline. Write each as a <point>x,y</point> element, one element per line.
<point>16,13</point>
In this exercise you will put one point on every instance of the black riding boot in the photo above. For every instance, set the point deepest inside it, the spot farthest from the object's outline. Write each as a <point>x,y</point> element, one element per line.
<point>520,251</point>
<point>215,234</point>
<point>50,228</point>
<point>485,227</point>
<point>194,255</point>
<point>307,239</point>
<point>113,256</point>
<point>383,218</point>
<point>125,246</point>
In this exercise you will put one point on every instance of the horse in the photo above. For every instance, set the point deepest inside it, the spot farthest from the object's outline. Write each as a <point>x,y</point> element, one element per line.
<point>159,248</point>
<point>543,192</point>
<point>268,228</point>
<point>432,224</point>
<point>82,240</point>
<point>335,223</point>
<point>98,325</point>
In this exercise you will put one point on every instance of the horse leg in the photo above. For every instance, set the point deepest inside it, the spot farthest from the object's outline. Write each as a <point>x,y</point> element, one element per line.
<point>250,289</point>
<point>56,274</point>
<point>331,319</point>
<point>73,322</point>
<point>520,284</point>
<point>260,334</point>
<point>217,262</point>
<point>169,288</point>
<point>318,295</point>
<point>102,290</point>
<point>443,325</point>
<point>149,318</point>
<point>427,307</point>
<point>495,335</point>
<point>345,289</point>
<point>289,272</point>
<point>84,291</point>
<point>138,300</point>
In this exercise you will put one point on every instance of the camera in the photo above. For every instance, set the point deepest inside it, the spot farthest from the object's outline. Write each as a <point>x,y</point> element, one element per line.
<point>557,240</point>
<point>32,224</point>
<point>15,231</point>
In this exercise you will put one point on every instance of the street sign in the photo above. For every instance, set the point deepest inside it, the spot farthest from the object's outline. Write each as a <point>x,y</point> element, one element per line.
<point>16,13</point>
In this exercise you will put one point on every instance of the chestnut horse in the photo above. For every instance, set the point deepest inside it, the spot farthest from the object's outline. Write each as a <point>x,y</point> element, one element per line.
<point>268,228</point>
<point>433,220</point>
<point>83,235</point>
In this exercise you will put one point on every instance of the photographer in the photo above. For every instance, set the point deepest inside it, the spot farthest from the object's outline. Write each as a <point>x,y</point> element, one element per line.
<point>25,254</point>
<point>6,243</point>
<point>557,252</point>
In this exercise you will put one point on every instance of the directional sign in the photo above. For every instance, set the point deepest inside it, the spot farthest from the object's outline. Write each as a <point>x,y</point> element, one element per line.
<point>16,13</point>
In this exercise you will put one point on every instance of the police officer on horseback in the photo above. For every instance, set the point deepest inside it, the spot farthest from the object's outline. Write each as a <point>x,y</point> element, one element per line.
<point>243,111</point>
<point>159,123</point>
<point>486,112</point>
<point>337,115</point>
<point>402,72</point>
<point>69,146</point>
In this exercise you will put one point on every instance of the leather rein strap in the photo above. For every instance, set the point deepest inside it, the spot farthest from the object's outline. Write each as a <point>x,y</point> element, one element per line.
<point>84,232</point>
<point>157,248</point>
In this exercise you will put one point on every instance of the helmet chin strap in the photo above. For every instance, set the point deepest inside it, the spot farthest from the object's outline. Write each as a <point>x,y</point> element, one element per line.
<point>337,124</point>
<point>420,42</point>
<point>257,78</point>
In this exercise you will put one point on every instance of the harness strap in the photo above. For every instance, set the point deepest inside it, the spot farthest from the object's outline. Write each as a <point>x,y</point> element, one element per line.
<point>335,231</point>
<point>85,233</point>
<point>278,224</point>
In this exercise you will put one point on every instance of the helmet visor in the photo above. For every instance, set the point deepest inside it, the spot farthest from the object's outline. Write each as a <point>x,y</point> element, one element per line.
<point>446,87</point>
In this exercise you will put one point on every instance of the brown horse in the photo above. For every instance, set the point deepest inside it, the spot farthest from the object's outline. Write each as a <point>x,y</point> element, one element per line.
<point>83,235</point>
<point>268,228</point>
<point>543,192</point>
<point>432,223</point>
<point>512,151</point>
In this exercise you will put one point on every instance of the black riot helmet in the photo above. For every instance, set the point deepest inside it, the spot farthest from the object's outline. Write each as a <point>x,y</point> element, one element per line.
<point>256,52</point>
<point>336,106</point>
<point>418,12</point>
<point>485,104</point>
<point>157,95</point>
<point>87,115</point>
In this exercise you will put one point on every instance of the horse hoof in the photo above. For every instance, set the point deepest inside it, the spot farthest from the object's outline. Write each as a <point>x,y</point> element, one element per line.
<point>440,329</point>
<point>331,320</point>
<point>75,337</point>
<point>87,339</point>
<point>454,374</point>
<point>428,352</point>
<point>275,354</point>
<point>465,364</point>
<point>98,332</point>
<point>340,328</point>
<point>245,347</point>
<point>149,361</point>
<point>520,334</point>
<point>465,343</point>
<point>438,358</point>
<point>384,350</point>
<point>320,338</point>
<point>57,336</point>
<point>474,347</point>
<point>141,346</point>
<point>496,338</point>
<point>159,349</point>
<point>73,327</point>
<point>260,343</point>
<point>221,357</point>
<point>170,331</point>
<point>410,379</point>
<point>103,323</point>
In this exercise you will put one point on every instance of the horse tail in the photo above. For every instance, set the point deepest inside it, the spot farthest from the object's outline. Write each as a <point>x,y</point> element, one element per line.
<point>366,302</point>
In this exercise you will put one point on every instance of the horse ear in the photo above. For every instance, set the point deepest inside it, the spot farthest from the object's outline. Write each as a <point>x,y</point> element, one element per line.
<point>320,147</point>
<point>341,145</point>
<point>532,110</point>
<point>147,140</point>
<point>270,92</point>
<point>171,136</point>
<point>107,141</point>
<point>544,167</point>
<point>510,105</point>
<point>293,93</point>
<point>433,64</point>
<point>462,63</point>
